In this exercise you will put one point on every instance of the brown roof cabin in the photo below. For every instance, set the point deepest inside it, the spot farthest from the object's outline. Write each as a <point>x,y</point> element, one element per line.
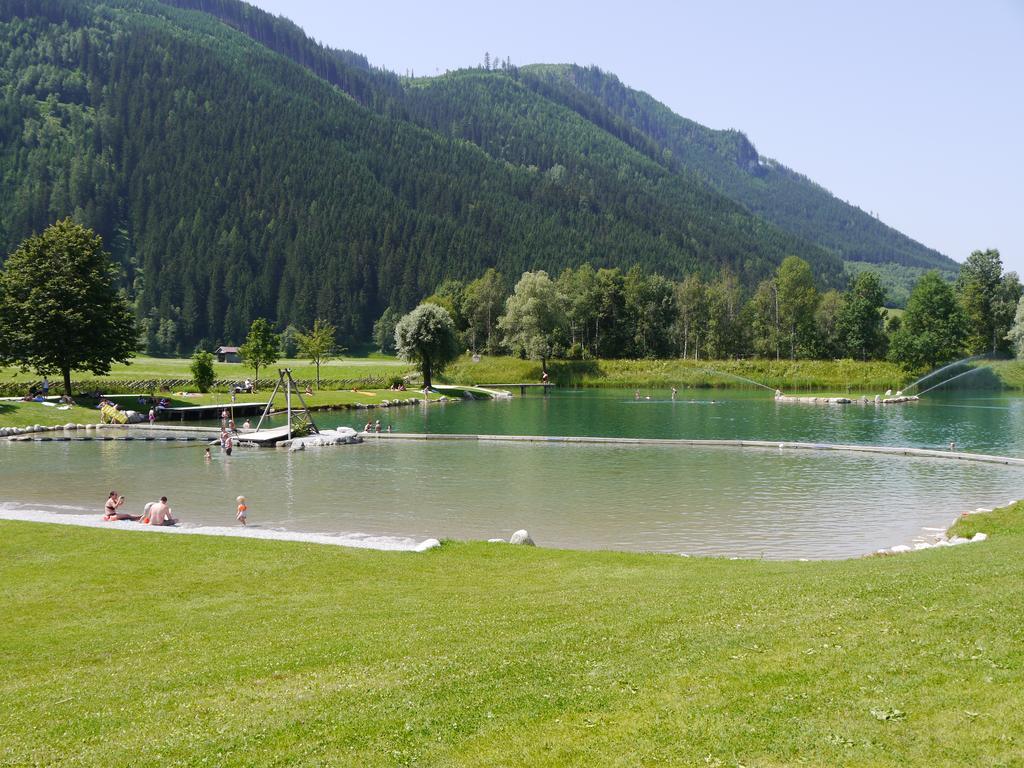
<point>228,355</point>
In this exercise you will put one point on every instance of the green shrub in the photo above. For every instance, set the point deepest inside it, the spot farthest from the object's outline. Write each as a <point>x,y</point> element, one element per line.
<point>202,370</point>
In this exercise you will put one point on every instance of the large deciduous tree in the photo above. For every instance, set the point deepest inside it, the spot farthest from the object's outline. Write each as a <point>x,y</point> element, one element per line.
<point>427,336</point>
<point>262,346</point>
<point>482,302</point>
<point>534,319</point>
<point>976,287</point>
<point>318,345</point>
<point>932,330</point>
<point>1016,334</point>
<point>651,309</point>
<point>859,325</point>
<point>384,330</point>
<point>692,315</point>
<point>59,309</point>
<point>798,298</point>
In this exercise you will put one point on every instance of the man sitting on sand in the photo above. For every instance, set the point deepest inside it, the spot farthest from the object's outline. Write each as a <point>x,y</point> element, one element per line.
<point>160,513</point>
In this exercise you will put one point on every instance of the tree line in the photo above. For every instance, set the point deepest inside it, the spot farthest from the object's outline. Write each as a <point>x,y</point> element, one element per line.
<point>609,313</point>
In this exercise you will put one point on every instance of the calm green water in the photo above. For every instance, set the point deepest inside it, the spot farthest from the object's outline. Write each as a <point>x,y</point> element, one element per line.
<point>980,424</point>
<point>722,501</point>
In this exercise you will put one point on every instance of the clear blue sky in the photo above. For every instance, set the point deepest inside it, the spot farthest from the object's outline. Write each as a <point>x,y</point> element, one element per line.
<point>912,110</point>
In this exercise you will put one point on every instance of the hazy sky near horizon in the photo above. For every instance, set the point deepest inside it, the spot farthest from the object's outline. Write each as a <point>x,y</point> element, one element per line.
<point>911,110</point>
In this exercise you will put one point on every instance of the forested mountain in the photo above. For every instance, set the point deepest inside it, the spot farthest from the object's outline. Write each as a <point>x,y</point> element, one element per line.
<point>732,165</point>
<point>237,169</point>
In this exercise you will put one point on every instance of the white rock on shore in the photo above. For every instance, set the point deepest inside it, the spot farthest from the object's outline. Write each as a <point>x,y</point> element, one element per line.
<point>521,536</point>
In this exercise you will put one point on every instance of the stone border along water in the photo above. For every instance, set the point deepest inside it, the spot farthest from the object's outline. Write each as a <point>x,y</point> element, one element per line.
<point>655,441</point>
<point>26,434</point>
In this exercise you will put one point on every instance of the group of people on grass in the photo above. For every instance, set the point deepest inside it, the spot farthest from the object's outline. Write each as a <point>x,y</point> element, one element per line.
<point>155,512</point>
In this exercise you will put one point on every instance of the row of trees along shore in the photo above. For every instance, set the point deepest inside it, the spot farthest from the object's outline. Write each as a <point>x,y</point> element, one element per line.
<point>607,313</point>
<point>60,311</point>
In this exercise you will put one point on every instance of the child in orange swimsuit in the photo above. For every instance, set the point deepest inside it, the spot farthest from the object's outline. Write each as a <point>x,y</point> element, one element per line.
<point>241,510</point>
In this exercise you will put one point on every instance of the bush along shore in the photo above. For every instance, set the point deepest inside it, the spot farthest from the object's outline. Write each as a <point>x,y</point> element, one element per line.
<point>484,654</point>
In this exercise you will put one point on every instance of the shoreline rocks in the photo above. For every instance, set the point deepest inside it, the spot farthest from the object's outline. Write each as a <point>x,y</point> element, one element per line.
<point>522,536</point>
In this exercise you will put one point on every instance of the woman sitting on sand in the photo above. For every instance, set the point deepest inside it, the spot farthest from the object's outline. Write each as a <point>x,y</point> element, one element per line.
<point>114,503</point>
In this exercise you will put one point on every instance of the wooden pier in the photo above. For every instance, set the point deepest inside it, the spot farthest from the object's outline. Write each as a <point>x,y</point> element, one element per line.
<point>211,411</point>
<point>522,386</point>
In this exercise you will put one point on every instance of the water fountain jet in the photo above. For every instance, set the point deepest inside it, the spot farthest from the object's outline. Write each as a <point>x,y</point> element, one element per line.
<point>741,378</point>
<point>937,371</point>
<point>951,378</point>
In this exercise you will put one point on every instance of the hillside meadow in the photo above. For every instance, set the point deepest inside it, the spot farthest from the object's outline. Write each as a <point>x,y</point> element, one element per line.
<point>139,649</point>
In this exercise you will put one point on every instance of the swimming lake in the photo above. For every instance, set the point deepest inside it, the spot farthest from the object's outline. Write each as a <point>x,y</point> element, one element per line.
<point>747,502</point>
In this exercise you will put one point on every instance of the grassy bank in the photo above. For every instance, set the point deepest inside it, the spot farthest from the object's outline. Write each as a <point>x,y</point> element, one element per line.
<point>837,376</point>
<point>371,371</point>
<point>196,650</point>
<point>833,376</point>
<point>15,413</point>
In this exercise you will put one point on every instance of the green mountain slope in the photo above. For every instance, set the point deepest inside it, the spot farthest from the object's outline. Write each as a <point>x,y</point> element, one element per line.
<point>233,181</point>
<point>731,164</point>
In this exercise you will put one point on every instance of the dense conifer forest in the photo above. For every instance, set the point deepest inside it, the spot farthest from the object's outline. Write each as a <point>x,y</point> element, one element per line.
<point>236,169</point>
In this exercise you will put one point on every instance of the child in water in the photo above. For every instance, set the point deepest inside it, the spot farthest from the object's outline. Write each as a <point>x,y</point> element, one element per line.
<point>206,454</point>
<point>242,509</point>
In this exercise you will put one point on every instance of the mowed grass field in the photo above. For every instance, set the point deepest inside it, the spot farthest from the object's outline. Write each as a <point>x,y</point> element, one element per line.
<point>141,649</point>
<point>143,367</point>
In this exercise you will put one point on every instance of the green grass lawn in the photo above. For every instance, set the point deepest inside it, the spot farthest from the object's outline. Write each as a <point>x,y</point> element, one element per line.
<point>130,649</point>
<point>143,367</point>
<point>15,413</point>
<point>840,377</point>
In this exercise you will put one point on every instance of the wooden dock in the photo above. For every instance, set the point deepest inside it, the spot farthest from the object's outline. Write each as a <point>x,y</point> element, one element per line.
<point>211,411</point>
<point>522,386</point>
<point>264,437</point>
